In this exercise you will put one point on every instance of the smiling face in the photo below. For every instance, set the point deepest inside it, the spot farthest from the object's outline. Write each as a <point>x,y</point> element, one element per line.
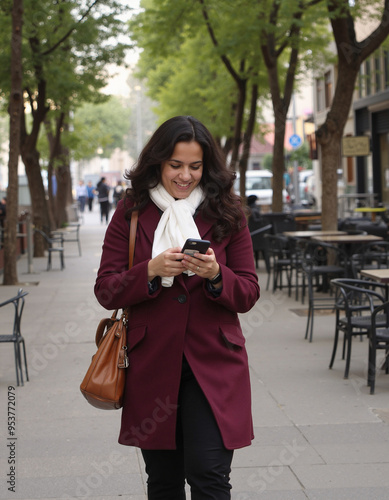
<point>183,171</point>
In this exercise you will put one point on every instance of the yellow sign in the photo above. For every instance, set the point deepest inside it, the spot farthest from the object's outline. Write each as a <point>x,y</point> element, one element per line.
<point>356,146</point>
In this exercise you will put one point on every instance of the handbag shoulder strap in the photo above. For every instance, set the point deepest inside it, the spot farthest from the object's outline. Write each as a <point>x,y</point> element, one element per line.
<point>133,226</point>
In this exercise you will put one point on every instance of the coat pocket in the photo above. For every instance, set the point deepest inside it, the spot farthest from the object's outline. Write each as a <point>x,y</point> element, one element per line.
<point>135,336</point>
<point>232,336</point>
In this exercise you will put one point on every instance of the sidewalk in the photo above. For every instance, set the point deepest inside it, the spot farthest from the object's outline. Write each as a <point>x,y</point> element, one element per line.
<point>317,436</point>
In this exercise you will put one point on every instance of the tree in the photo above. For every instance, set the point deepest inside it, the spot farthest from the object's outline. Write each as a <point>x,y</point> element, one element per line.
<point>229,50</point>
<point>351,52</point>
<point>288,42</point>
<point>244,34</point>
<point>67,48</point>
<point>15,112</point>
<point>93,126</point>
<point>103,125</point>
<point>182,84</point>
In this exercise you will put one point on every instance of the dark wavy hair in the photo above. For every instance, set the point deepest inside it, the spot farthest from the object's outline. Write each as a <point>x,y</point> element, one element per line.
<point>221,205</point>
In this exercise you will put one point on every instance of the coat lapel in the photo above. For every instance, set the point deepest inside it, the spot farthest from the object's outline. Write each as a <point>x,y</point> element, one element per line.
<point>148,221</point>
<point>205,227</point>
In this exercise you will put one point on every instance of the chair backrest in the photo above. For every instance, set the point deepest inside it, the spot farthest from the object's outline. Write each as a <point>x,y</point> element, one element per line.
<point>279,246</point>
<point>258,237</point>
<point>317,253</point>
<point>359,295</point>
<point>43,234</point>
<point>18,302</point>
<point>380,311</point>
<point>72,213</point>
<point>46,237</point>
<point>372,255</point>
<point>281,222</point>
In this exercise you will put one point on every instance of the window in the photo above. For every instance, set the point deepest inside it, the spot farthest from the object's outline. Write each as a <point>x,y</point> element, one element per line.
<point>377,72</point>
<point>319,94</point>
<point>328,89</point>
<point>360,82</point>
<point>386,68</point>
<point>368,76</point>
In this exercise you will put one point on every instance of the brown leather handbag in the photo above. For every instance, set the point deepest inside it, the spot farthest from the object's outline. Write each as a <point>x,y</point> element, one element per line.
<point>103,384</point>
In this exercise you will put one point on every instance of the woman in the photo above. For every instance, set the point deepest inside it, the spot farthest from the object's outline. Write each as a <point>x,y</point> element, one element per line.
<point>187,402</point>
<point>102,189</point>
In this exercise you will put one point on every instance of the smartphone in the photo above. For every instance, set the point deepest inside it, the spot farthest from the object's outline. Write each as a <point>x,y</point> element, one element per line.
<point>193,246</point>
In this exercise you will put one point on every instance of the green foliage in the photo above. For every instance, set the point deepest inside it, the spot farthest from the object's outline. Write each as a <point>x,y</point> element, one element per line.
<point>191,87</point>
<point>67,46</point>
<point>301,156</point>
<point>184,69</point>
<point>267,162</point>
<point>99,126</point>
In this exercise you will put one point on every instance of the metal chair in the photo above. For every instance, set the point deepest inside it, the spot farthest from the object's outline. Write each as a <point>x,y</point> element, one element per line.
<point>257,232</point>
<point>281,261</point>
<point>321,262</point>
<point>373,255</point>
<point>70,233</point>
<point>16,337</point>
<point>378,339</point>
<point>356,302</point>
<point>51,247</point>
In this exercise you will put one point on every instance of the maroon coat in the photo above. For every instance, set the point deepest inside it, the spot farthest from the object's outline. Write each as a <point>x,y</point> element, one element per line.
<point>184,319</point>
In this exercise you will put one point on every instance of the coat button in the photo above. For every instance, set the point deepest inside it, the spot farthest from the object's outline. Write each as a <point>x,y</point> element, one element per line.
<point>181,299</point>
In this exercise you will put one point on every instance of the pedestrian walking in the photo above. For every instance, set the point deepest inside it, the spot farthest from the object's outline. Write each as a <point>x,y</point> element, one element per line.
<point>187,399</point>
<point>82,194</point>
<point>118,192</point>
<point>102,189</point>
<point>91,195</point>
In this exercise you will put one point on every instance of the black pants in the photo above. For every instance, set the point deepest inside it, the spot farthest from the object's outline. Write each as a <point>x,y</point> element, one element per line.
<point>104,210</point>
<point>200,457</point>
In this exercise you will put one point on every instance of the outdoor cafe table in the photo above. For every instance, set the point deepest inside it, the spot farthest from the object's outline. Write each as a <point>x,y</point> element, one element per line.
<point>348,239</point>
<point>311,234</point>
<point>371,210</point>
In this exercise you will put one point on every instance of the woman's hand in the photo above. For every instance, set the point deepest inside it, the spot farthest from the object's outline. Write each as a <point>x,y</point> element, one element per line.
<point>167,263</point>
<point>204,265</point>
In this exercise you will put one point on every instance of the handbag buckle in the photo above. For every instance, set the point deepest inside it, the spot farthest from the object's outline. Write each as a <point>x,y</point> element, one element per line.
<point>124,362</point>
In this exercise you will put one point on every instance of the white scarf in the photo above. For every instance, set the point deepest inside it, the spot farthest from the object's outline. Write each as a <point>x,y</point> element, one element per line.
<point>176,224</point>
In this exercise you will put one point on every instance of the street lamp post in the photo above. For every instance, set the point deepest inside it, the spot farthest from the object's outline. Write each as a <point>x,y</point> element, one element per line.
<point>295,163</point>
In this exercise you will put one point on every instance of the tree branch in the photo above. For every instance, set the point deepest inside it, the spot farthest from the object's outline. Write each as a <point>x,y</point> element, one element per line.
<point>70,31</point>
<point>215,42</point>
<point>350,51</point>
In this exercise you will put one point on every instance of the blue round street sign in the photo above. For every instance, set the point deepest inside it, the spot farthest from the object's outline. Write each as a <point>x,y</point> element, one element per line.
<point>295,140</point>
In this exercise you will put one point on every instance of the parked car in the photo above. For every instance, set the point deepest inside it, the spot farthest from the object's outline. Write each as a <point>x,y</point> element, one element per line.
<point>259,184</point>
<point>307,188</point>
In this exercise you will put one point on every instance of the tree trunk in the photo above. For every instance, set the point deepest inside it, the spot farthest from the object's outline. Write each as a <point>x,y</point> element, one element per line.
<point>64,187</point>
<point>54,140</point>
<point>237,140</point>
<point>278,164</point>
<point>10,276</point>
<point>351,53</point>
<point>331,162</point>
<point>329,137</point>
<point>280,108</point>
<point>40,213</point>
<point>247,136</point>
